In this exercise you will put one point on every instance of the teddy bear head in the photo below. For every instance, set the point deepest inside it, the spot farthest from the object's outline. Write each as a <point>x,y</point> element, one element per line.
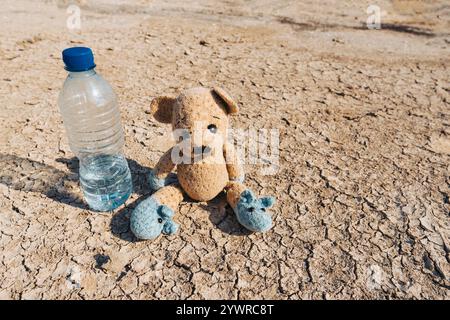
<point>200,112</point>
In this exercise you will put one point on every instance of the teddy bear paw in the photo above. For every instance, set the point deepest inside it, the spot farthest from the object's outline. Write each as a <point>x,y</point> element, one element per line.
<point>149,219</point>
<point>157,183</point>
<point>252,213</point>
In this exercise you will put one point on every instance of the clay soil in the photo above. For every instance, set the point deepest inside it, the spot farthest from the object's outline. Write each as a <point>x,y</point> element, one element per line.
<point>363,182</point>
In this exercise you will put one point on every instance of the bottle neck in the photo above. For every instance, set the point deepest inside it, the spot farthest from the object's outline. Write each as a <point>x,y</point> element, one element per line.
<point>82,74</point>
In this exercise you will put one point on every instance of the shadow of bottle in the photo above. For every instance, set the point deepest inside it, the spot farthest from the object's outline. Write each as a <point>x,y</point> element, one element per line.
<point>32,176</point>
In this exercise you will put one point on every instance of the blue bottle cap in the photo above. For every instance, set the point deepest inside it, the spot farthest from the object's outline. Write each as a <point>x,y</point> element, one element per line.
<point>78,59</point>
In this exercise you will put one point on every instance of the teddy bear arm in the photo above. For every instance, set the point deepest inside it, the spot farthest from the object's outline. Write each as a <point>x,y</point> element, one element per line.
<point>165,165</point>
<point>233,163</point>
<point>162,175</point>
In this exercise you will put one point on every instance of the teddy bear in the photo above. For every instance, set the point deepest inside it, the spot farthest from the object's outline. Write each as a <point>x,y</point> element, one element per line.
<point>209,165</point>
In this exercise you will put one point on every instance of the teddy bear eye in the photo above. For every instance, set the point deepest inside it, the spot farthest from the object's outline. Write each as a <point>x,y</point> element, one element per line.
<point>212,128</point>
<point>160,220</point>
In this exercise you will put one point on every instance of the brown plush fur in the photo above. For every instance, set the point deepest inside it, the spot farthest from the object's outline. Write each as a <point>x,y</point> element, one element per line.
<point>202,180</point>
<point>234,190</point>
<point>171,196</point>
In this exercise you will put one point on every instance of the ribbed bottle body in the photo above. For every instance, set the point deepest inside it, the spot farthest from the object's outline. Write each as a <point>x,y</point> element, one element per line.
<point>90,112</point>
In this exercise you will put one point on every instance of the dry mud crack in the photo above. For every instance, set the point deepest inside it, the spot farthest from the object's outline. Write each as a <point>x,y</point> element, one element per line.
<point>363,185</point>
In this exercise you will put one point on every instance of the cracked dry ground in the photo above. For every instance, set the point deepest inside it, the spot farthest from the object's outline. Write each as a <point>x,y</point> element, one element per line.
<point>363,186</point>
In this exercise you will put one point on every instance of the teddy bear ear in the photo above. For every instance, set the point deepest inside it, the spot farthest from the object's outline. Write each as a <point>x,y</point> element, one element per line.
<point>232,106</point>
<point>161,108</point>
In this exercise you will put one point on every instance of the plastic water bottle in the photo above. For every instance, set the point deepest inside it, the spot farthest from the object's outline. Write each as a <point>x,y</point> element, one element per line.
<point>91,116</point>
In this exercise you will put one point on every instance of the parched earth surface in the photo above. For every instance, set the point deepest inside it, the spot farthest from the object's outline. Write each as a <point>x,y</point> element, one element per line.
<point>363,182</point>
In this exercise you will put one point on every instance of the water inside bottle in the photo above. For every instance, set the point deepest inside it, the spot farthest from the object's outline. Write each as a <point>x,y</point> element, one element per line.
<point>105,181</point>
